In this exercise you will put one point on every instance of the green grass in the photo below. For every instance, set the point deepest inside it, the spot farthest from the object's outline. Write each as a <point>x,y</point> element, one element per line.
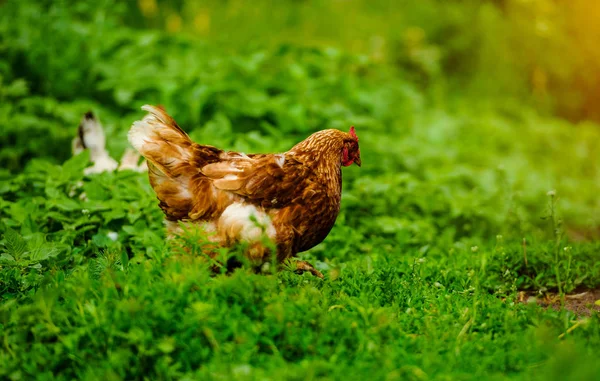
<point>461,203</point>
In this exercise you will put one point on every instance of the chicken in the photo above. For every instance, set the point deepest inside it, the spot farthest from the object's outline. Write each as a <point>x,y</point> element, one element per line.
<point>292,198</point>
<point>90,135</point>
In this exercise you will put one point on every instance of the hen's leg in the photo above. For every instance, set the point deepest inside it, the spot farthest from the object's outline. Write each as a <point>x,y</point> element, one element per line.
<point>285,236</point>
<point>303,266</point>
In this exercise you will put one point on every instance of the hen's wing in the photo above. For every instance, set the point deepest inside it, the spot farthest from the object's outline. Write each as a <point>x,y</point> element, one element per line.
<point>198,182</point>
<point>270,181</point>
<point>302,208</point>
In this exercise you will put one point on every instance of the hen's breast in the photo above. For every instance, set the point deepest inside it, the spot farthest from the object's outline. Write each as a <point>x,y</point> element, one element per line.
<point>314,211</point>
<point>318,222</point>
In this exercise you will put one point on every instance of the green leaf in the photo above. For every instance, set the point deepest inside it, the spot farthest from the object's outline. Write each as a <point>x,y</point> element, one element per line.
<point>15,244</point>
<point>40,250</point>
<point>113,214</point>
<point>101,240</point>
<point>73,168</point>
<point>17,88</point>
<point>95,191</point>
<point>166,345</point>
<point>48,250</point>
<point>67,204</point>
<point>124,259</point>
<point>7,258</point>
<point>35,243</point>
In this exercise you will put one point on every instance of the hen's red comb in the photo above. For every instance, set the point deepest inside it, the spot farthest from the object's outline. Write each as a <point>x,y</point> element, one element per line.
<point>353,133</point>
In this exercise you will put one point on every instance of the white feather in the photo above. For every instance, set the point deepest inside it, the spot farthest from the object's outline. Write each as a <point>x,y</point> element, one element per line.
<point>248,221</point>
<point>102,163</point>
<point>139,134</point>
<point>280,160</point>
<point>142,131</point>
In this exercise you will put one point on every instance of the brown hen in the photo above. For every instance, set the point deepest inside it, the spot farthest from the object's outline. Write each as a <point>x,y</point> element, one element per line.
<point>293,198</point>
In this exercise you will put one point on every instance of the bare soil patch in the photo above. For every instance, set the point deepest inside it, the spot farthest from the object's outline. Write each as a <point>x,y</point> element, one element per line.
<point>581,302</point>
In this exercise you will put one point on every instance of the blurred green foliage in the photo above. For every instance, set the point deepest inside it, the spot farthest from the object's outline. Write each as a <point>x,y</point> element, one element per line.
<point>468,113</point>
<point>542,52</point>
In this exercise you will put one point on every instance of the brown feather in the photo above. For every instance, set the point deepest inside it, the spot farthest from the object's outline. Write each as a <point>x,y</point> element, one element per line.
<point>299,191</point>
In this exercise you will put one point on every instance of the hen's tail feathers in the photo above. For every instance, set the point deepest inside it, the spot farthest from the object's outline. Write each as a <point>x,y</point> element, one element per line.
<point>169,153</point>
<point>162,142</point>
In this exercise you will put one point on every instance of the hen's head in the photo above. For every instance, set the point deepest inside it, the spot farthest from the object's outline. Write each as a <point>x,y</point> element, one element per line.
<point>333,145</point>
<point>351,152</point>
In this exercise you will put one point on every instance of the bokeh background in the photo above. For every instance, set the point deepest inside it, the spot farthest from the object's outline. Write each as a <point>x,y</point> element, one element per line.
<point>483,101</point>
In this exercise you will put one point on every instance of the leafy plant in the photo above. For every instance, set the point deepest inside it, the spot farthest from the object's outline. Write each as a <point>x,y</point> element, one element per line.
<point>439,233</point>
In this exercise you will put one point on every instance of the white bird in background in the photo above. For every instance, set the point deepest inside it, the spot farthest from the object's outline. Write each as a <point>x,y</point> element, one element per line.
<point>90,135</point>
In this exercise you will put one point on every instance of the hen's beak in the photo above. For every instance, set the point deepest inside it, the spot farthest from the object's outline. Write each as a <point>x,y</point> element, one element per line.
<point>357,161</point>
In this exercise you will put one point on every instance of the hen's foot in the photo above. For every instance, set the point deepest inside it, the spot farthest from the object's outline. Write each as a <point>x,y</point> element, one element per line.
<point>303,266</point>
